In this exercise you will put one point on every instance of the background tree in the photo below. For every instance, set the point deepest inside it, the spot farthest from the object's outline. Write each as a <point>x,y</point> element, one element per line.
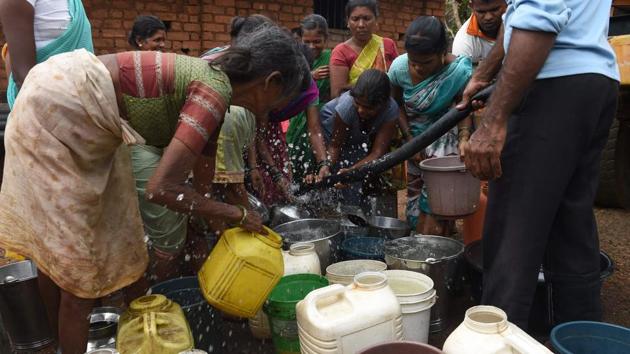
<point>456,12</point>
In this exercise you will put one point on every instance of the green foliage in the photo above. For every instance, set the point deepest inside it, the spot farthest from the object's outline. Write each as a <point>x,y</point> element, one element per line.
<point>456,12</point>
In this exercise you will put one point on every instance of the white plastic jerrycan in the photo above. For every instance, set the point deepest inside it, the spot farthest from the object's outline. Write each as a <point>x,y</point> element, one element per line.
<point>486,330</point>
<point>345,320</point>
<point>301,258</point>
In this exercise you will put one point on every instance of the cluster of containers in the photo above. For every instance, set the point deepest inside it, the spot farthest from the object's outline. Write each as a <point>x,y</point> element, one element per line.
<point>386,297</point>
<point>357,305</point>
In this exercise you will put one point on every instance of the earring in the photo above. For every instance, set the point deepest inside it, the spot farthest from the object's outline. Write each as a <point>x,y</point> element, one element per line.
<point>140,45</point>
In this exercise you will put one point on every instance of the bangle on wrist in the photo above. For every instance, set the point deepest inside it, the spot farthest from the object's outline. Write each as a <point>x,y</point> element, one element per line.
<point>244,215</point>
<point>323,163</point>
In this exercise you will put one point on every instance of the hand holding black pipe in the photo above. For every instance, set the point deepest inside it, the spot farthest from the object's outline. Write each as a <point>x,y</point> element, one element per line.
<point>405,152</point>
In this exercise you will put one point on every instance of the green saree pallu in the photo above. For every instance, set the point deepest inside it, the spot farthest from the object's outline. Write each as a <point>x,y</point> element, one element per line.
<point>78,35</point>
<point>300,150</point>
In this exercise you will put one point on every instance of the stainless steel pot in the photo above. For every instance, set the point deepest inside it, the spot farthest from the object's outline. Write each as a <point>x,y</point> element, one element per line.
<point>282,214</point>
<point>435,256</point>
<point>325,234</point>
<point>390,228</point>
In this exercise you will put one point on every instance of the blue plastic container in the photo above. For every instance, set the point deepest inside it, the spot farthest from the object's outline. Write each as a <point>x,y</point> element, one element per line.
<point>363,248</point>
<point>587,337</point>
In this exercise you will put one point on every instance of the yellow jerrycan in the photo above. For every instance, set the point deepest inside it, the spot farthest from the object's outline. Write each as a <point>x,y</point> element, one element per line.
<point>153,325</point>
<point>241,271</point>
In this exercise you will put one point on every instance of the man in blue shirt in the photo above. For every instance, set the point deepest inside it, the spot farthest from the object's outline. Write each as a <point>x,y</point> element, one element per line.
<point>540,142</point>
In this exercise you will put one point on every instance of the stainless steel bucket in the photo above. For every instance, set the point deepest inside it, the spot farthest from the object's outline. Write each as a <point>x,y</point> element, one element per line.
<point>103,327</point>
<point>22,309</point>
<point>435,256</point>
<point>325,234</point>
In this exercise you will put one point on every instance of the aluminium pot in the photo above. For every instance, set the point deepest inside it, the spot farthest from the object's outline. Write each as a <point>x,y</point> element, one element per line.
<point>390,228</point>
<point>282,214</point>
<point>435,256</point>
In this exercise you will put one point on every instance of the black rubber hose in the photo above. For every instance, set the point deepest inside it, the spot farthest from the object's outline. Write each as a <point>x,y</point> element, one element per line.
<point>405,152</point>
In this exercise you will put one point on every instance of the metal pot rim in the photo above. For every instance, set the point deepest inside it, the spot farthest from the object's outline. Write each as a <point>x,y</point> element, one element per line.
<point>371,224</point>
<point>24,265</point>
<point>336,227</point>
<point>441,259</point>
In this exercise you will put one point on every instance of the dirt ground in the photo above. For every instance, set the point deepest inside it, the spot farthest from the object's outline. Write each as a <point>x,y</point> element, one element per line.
<point>614,237</point>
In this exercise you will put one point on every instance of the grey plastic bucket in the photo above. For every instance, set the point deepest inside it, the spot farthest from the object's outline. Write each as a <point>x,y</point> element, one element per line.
<point>453,191</point>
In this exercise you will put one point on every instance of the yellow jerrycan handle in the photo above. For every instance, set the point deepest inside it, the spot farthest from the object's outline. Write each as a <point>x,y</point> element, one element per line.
<point>154,320</point>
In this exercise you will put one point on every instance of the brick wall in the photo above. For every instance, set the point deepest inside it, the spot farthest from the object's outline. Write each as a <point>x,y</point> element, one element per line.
<point>197,25</point>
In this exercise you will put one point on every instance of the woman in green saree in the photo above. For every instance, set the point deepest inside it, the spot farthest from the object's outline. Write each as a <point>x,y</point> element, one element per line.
<point>425,82</point>
<point>307,149</point>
